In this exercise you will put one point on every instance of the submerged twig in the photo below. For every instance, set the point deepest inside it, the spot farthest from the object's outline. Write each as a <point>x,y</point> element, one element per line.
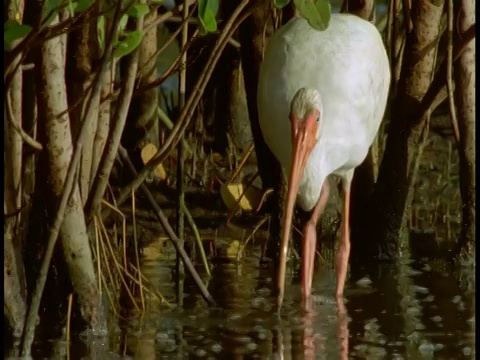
<point>135,241</point>
<point>252,234</point>
<point>198,239</point>
<point>180,159</point>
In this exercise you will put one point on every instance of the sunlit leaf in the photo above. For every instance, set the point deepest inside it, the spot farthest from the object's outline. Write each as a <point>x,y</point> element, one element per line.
<point>148,151</point>
<point>279,4</point>
<point>207,11</point>
<point>138,10</point>
<point>82,5</point>
<point>316,12</point>
<point>122,24</point>
<point>71,7</point>
<point>209,21</point>
<point>13,31</point>
<point>101,31</point>
<point>131,40</point>
<point>231,193</point>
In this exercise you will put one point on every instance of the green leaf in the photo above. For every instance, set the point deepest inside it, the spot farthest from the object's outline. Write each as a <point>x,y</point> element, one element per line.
<point>13,31</point>
<point>207,11</point>
<point>157,1</point>
<point>280,4</point>
<point>138,10</point>
<point>101,31</point>
<point>128,44</point>
<point>122,24</point>
<point>209,21</point>
<point>82,5</point>
<point>316,12</point>
<point>71,8</point>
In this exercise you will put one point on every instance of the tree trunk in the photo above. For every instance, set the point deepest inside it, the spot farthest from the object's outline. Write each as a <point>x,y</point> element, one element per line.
<point>14,274</point>
<point>82,53</point>
<point>364,177</point>
<point>253,31</point>
<point>104,116</point>
<point>465,101</point>
<point>142,125</point>
<point>55,123</point>
<point>406,134</point>
<point>362,8</point>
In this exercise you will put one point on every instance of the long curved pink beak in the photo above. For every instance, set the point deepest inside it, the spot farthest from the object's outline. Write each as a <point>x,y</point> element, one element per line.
<point>303,142</point>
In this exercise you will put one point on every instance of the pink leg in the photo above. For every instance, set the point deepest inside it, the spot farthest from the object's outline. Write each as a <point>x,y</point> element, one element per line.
<point>310,243</point>
<point>343,252</point>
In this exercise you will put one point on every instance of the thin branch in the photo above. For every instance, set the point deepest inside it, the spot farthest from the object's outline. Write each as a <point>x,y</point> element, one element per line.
<point>119,119</point>
<point>186,114</point>
<point>182,79</point>
<point>11,119</point>
<point>37,37</point>
<point>168,42</point>
<point>439,80</point>
<point>451,100</point>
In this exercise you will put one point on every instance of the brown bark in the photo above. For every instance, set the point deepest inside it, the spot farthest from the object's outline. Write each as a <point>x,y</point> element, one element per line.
<point>104,116</point>
<point>364,177</point>
<point>14,294</point>
<point>142,124</point>
<point>254,30</point>
<point>82,54</point>
<point>241,131</point>
<point>14,274</point>
<point>55,123</point>
<point>362,8</point>
<point>406,134</point>
<point>464,74</point>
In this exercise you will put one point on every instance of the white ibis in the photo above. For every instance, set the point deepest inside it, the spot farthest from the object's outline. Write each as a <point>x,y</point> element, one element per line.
<point>321,99</point>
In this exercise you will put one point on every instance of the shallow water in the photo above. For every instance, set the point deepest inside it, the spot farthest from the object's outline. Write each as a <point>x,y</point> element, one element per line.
<point>408,310</point>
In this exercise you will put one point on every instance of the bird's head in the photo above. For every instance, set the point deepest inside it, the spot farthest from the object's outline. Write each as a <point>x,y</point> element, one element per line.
<point>305,117</point>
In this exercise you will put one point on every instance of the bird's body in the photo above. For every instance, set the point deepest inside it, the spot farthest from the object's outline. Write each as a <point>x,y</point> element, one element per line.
<point>350,70</point>
<point>333,85</point>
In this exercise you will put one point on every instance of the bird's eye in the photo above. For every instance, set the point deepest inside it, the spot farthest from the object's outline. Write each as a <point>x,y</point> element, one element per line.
<point>317,119</point>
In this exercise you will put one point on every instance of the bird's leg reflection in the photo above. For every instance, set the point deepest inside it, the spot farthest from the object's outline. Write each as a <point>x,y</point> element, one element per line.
<point>342,328</point>
<point>308,335</point>
<point>311,348</point>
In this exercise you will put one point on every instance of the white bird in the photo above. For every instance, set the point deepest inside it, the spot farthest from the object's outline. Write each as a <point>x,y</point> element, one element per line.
<point>325,92</point>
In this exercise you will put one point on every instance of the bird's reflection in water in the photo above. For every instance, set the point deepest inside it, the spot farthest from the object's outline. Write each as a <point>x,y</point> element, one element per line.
<point>314,345</point>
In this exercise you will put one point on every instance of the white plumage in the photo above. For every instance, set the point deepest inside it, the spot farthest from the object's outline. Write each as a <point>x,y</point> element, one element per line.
<point>343,72</point>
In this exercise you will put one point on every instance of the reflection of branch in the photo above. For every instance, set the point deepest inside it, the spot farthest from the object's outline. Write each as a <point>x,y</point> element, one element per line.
<point>169,230</point>
<point>439,80</point>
